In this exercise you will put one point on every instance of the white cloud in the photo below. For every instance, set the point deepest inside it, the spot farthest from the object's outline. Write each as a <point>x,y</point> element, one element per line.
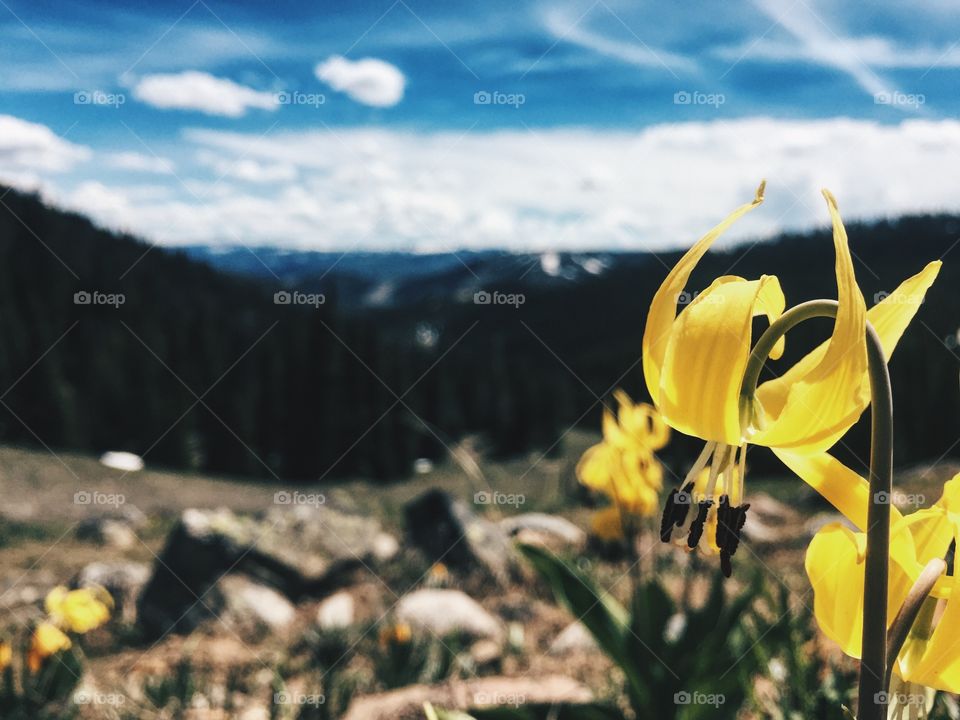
<point>369,81</point>
<point>202,92</point>
<point>27,146</point>
<point>138,162</point>
<point>653,189</point>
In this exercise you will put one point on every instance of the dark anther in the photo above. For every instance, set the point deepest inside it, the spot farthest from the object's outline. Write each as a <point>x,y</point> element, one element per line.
<point>949,558</point>
<point>724,516</point>
<point>696,527</point>
<point>725,565</point>
<point>675,510</point>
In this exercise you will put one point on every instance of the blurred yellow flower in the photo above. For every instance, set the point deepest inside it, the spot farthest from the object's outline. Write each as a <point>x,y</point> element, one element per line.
<point>6,655</point>
<point>607,524</point>
<point>622,465</point>
<point>835,566</point>
<point>78,611</point>
<point>694,363</point>
<point>395,634</point>
<point>47,640</point>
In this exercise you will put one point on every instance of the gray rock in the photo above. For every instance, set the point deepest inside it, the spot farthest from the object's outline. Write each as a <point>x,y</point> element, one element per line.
<point>407,703</point>
<point>447,530</point>
<point>337,611</point>
<point>107,531</point>
<point>448,612</point>
<point>123,580</point>
<point>251,609</point>
<point>573,638</point>
<point>299,550</point>
<point>541,528</point>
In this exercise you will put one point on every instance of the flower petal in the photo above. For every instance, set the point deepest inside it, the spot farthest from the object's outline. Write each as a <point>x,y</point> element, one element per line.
<point>663,309</point>
<point>707,353</point>
<point>826,395</point>
<point>889,318</point>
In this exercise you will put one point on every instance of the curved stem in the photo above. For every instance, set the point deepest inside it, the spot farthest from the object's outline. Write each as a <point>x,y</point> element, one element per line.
<point>904,620</point>
<point>874,650</point>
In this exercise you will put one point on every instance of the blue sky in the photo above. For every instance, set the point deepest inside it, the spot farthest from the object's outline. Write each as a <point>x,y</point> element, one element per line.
<point>438,125</point>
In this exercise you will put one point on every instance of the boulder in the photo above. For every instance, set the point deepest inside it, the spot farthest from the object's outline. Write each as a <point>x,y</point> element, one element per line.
<point>573,638</point>
<point>443,613</point>
<point>251,609</point>
<point>407,703</point>
<point>107,531</point>
<point>337,611</point>
<point>298,550</point>
<point>551,531</point>
<point>446,530</point>
<point>123,580</point>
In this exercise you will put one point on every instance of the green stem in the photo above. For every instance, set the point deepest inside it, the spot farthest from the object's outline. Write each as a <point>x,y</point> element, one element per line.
<point>874,649</point>
<point>905,619</point>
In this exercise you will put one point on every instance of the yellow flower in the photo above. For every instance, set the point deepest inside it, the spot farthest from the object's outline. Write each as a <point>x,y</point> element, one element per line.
<point>6,655</point>
<point>396,634</point>
<point>623,465</point>
<point>79,611</point>
<point>47,640</point>
<point>607,524</point>
<point>835,566</point>
<point>694,363</point>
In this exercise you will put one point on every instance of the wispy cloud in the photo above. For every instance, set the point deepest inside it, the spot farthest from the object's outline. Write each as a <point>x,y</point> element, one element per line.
<point>201,92</point>
<point>369,81</point>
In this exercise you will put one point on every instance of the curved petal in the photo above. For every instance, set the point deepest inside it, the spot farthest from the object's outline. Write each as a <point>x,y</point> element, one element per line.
<point>839,485</point>
<point>663,309</point>
<point>835,564</point>
<point>828,395</point>
<point>707,353</point>
<point>889,318</point>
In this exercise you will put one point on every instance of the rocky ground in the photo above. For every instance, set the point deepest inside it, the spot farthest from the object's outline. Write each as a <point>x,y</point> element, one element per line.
<point>249,600</point>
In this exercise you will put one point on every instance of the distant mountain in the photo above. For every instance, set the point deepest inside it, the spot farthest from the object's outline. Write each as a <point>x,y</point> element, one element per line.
<point>394,279</point>
<point>211,360</point>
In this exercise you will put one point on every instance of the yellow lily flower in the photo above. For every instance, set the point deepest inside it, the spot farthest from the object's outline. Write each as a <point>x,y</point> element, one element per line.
<point>47,641</point>
<point>623,466</point>
<point>79,611</point>
<point>835,566</point>
<point>694,363</point>
<point>6,655</point>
